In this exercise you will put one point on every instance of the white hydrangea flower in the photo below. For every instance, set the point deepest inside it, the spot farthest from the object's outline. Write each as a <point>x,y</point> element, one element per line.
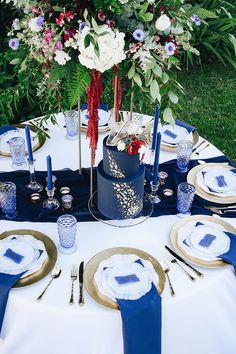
<point>121,145</point>
<point>111,49</point>
<point>162,23</point>
<point>61,57</point>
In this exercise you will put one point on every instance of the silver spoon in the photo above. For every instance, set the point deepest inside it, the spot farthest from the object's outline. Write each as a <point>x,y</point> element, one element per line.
<point>56,272</point>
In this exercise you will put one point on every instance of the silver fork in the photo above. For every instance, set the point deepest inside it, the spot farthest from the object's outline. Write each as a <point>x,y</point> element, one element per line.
<point>56,272</point>
<point>73,276</point>
<point>166,270</point>
<point>203,148</point>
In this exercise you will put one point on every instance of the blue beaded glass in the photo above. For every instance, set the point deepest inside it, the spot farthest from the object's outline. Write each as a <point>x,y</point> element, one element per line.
<point>66,226</point>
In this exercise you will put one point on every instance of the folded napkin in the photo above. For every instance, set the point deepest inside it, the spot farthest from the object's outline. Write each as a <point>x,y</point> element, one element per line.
<point>6,128</point>
<point>130,280</point>
<point>7,281</point>
<point>218,180</point>
<point>173,135</point>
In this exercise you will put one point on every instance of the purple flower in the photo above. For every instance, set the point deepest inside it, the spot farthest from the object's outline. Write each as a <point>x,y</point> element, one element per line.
<point>82,26</point>
<point>14,43</point>
<point>40,21</point>
<point>196,20</point>
<point>139,35</point>
<point>170,48</point>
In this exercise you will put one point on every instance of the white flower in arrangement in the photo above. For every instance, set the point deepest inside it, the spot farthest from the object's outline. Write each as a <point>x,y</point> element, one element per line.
<point>123,1</point>
<point>36,24</point>
<point>111,49</point>
<point>143,150</point>
<point>162,23</point>
<point>121,145</point>
<point>177,29</point>
<point>16,24</point>
<point>61,57</point>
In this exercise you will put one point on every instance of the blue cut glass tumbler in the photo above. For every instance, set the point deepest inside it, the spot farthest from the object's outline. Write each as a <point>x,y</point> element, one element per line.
<point>184,152</point>
<point>8,199</point>
<point>185,196</point>
<point>72,123</point>
<point>67,226</point>
<point>17,147</point>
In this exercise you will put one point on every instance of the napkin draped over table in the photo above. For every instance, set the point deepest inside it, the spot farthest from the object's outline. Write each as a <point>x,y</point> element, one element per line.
<point>80,190</point>
<point>141,323</point>
<point>7,281</point>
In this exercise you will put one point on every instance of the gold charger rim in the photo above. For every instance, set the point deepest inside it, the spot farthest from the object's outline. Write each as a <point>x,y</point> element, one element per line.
<point>191,178</point>
<point>194,260</point>
<point>101,129</point>
<point>195,138</point>
<point>94,262</point>
<point>47,265</point>
<point>35,147</point>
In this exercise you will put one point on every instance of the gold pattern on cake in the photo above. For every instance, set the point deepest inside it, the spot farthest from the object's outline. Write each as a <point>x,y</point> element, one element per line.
<point>131,204</point>
<point>114,168</point>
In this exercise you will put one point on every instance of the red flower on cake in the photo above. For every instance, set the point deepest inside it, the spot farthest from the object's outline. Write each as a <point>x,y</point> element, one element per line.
<point>134,147</point>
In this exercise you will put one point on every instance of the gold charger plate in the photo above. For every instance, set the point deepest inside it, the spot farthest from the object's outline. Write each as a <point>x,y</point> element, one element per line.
<point>191,178</point>
<point>35,147</point>
<point>47,265</point>
<point>94,262</point>
<point>164,147</point>
<point>195,260</point>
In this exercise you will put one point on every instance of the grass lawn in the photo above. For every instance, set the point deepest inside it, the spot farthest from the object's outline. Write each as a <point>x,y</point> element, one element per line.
<point>210,105</point>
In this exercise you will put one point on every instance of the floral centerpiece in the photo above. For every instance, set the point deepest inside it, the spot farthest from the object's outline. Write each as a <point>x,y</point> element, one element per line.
<point>74,43</point>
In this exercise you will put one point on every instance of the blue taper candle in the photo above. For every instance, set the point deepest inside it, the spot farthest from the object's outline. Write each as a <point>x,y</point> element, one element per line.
<point>156,161</point>
<point>155,127</point>
<point>49,169</point>
<point>29,146</point>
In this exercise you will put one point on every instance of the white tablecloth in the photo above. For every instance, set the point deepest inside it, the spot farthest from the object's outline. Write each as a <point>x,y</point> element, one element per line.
<point>199,320</point>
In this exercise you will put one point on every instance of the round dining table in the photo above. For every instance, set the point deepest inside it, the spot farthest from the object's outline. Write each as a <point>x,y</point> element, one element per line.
<point>200,319</point>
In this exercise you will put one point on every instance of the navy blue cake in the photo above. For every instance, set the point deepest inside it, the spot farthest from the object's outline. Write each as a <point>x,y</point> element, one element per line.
<point>120,179</point>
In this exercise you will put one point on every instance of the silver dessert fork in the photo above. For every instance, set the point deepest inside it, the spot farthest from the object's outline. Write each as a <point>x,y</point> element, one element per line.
<point>56,272</point>
<point>73,276</point>
<point>166,270</point>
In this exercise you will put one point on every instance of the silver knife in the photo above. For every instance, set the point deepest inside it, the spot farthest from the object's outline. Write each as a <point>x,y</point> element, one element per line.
<point>183,261</point>
<point>198,146</point>
<point>81,282</point>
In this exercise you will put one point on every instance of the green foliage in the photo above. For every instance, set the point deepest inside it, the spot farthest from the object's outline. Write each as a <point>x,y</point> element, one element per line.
<point>215,39</point>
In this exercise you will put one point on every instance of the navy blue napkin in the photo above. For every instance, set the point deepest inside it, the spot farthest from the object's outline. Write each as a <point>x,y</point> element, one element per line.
<point>230,256</point>
<point>141,323</point>
<point>7,281</point>
<point>189,128</point>
<point>6,128</point>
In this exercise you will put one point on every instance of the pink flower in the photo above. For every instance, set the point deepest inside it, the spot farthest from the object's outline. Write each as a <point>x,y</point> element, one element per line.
<point>101,16</point>
<point>60,20</point>
<point>110,23</point>
<point>69,15</point>
<point>36,10</point>
<point>134,47</point>
<point>48,35</point>
<point>58,46</point>
<point>68,33</point>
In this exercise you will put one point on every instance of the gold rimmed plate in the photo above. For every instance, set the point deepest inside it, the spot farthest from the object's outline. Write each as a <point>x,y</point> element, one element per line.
<point>168,147</point>
<point>94,262</point>
<point>37,143</point>
<point>101,129</point>
<point>192,178</point>
<point>195,259</point>
<point>47,266</point>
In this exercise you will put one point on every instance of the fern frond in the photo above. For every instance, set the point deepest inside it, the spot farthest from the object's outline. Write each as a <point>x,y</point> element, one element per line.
<point>77,84</point>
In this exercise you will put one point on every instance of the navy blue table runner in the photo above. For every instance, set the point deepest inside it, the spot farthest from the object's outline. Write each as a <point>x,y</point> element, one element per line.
<point>79,185</point>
